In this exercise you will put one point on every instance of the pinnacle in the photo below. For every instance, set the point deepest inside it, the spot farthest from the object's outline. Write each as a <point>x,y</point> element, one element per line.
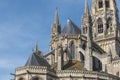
<point>86,10</point>
<point>56,19</point>
<point>36,48</point>
<point>68,20</point>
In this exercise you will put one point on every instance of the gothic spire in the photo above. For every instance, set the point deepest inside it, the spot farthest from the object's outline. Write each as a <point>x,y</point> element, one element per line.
<point>86,9</point>
<point>56,19</point>
<point>56,29</point>
<point>86,14</point>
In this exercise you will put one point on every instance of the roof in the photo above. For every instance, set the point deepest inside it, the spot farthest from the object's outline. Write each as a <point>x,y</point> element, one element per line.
<point>71,65</point>
<point>74,65</point>
<point>98,48</point>
<point>37,59</point>
<point>70,28</point>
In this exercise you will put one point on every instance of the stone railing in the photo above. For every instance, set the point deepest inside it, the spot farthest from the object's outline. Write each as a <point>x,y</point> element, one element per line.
<point>116,61</point>
<point>34,69</point>
<point>87,74</point>
<point>104,37</point>
<point>73,36</point>
<point>31,69</point>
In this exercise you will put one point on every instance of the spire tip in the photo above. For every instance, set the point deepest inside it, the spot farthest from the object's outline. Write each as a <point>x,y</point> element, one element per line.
<point>36,48</point>
<point>56,20</point>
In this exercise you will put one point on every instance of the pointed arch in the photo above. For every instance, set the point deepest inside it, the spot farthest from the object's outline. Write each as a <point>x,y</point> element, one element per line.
<point>97,64</point>
<point>82,58</point>
<point>36,78</point>
<point>21,78</point>
<point>100,25</point>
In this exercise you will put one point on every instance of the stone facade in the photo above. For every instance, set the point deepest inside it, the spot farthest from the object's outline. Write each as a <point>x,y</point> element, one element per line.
<point>89,53</point>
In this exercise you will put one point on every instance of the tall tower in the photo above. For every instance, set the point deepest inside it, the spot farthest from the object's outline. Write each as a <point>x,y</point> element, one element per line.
<point>105,28</point>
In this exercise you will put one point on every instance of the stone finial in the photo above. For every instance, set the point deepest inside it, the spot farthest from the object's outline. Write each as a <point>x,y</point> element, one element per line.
<point>86,9</point>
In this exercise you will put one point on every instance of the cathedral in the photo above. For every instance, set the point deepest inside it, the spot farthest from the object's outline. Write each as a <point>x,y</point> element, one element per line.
<point>91,52</point>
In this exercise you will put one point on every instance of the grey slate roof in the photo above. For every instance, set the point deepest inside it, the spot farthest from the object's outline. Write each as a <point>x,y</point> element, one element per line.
<point>36,59</point>
<point>70,28</point>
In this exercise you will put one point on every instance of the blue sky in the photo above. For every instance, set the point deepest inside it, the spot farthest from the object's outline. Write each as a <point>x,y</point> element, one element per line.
<point>25,22</point>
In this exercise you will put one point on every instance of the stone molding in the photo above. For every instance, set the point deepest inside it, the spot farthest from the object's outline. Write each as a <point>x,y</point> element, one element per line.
<point>89,74</point>
<point>31,69</point>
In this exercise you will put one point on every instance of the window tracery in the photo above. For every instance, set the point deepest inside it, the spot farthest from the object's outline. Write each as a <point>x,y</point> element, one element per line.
<point>100,4</point>
<point>107,3</point>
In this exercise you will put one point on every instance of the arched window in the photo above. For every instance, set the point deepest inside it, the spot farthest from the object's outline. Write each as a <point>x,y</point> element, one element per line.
<point>72,50</point>
<point>97,64</point>
<point>107,3</point>
<point>117,73</point>
<point>21,79</point>
<point>100,4</point>
<point>36,78</point>
<point>109,24</point>
<point>100,25</point>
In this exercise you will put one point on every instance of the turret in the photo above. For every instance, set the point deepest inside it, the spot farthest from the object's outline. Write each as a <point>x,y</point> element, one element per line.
<point>35,49</point>
<point>105,15</point>
<point>105,28</point>
<point>85,19</point>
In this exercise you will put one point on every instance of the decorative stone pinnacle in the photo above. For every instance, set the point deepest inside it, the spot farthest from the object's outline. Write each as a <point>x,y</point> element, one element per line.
<point>68,20</point>
<point>36,48</point>
<point>56,19</point>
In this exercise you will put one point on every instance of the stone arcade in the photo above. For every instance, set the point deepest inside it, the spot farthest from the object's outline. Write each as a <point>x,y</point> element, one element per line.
<point>89,53</point>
